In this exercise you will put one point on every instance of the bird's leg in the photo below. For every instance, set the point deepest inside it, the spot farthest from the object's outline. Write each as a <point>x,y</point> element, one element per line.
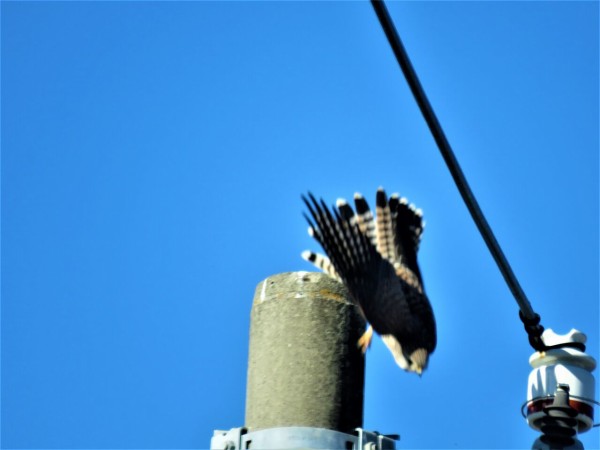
<point>365,340</point>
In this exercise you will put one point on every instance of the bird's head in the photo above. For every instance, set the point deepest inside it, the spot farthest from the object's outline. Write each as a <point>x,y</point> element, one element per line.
<point>416,361</point>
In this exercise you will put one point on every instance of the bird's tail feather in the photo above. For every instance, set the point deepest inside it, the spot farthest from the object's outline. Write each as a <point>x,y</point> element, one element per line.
<point>386,244</point>
<point>409,225</point>
<point>394,234</point>
<point>365,219</point>
<point>322,262</point>
<point>348,248</point>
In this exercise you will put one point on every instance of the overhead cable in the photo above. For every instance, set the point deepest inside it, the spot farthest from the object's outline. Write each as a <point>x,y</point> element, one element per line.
<point>528,315</point>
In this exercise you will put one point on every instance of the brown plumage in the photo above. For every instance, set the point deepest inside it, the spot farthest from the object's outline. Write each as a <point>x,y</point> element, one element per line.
<point>376,258</point>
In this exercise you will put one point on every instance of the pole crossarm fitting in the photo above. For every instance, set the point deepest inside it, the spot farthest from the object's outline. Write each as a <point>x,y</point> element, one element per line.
<point>283,438</point>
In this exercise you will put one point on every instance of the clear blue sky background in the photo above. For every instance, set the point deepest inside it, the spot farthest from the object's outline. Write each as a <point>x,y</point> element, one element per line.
<point>153,157</point>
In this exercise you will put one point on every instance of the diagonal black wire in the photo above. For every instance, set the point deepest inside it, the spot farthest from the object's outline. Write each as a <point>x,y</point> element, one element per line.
<point>528,316</point>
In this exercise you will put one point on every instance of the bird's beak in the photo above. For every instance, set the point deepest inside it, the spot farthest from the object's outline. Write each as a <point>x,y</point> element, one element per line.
<point>419,371</point>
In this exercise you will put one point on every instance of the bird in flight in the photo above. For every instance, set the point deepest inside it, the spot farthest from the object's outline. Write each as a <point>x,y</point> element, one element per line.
<point>375,256</point>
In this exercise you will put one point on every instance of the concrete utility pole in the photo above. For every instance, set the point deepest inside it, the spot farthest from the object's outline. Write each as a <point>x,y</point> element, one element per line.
<point>304,366</point>
<point>305,370</point>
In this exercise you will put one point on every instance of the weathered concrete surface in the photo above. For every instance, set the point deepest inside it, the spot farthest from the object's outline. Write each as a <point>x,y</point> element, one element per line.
<point>304,367</point>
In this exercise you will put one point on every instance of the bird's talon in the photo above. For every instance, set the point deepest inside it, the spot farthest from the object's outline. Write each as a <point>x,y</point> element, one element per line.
<point>364,342</point>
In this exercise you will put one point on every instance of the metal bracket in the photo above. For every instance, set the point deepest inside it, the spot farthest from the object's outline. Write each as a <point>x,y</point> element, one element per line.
<point>300,438</point>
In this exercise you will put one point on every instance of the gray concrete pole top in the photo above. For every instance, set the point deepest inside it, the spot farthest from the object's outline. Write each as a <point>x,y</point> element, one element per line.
<point>304,366</point>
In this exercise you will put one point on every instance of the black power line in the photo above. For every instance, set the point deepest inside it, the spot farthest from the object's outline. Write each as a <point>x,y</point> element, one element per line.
<point>528,315</point>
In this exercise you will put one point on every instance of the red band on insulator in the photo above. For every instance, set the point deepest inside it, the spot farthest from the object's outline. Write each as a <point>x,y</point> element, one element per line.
<point>580,407</point>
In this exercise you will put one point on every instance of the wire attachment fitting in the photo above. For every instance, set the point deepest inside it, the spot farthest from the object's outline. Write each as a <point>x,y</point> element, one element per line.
<point>559,425</point>
<point>534,331</point>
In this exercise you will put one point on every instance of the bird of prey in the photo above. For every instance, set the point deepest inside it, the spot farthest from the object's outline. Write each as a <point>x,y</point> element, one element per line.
<point>376,258</point>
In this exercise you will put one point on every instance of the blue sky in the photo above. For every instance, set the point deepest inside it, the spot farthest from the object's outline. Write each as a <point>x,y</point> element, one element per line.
<point>153,157</point>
